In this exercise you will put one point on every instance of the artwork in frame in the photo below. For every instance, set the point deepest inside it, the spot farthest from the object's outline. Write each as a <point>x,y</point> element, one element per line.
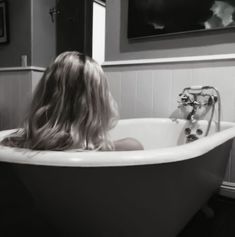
<point>167,17</point>
<point>3,22</point>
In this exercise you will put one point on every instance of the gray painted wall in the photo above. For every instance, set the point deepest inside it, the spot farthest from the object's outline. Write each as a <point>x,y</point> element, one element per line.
<point>43,33</point>
<point>32,33</point>
<point>119,48</point>
<point>19,29</point>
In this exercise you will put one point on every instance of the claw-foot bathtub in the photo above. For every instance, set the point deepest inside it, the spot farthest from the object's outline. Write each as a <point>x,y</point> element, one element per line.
<point>146,193</point>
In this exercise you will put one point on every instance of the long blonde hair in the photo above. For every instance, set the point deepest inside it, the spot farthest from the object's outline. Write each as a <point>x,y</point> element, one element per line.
<point>71,108</point>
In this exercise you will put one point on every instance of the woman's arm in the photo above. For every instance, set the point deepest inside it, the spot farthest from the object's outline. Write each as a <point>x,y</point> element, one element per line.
<point>127,144</point>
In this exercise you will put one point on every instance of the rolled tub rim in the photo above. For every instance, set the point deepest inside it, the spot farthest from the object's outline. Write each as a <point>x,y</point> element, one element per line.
<point>74,158</point>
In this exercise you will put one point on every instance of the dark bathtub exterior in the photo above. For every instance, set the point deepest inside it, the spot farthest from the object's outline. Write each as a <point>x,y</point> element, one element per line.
<point>127,201</point>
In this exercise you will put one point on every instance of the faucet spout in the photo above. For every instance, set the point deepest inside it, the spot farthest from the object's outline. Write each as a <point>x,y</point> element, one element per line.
<point>191,115</point>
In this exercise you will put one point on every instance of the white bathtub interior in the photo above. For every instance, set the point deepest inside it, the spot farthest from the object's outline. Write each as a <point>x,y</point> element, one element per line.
<point>160,133</point>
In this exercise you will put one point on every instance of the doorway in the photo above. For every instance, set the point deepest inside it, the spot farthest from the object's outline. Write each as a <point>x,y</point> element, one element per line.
<point>74,26</point>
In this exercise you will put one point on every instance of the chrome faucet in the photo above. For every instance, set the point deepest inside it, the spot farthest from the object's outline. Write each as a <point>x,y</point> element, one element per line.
<point>190,98</point>
<point>191,115</point>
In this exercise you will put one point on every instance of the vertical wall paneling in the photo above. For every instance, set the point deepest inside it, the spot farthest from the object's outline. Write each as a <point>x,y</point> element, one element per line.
<point>128,94</point>
<point>36,76</point>
<point>182,77</point>
<point>162,92</point>
<point>15,96</point>
<point>223,79</point>
<point>144,94</point>
<point>164,85</point>
<point>114,80</point>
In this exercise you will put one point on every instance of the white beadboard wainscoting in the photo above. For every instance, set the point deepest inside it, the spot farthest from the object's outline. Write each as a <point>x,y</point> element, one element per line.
<point>16,86</point>
<point>146,90</point>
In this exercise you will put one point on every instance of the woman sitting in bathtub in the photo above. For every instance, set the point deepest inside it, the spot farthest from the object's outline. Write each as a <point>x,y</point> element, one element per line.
<point>72,108</point>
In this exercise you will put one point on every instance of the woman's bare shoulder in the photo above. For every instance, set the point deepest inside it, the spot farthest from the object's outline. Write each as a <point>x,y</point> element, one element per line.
<point>127,144</point>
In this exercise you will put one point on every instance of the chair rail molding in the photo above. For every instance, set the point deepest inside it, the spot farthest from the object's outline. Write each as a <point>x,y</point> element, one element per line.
<point>31,68</point>
<point>201,58</point>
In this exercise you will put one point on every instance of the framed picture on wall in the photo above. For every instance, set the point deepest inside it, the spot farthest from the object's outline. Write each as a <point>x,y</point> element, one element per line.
<point>167,17</point>
<point>3,22</point>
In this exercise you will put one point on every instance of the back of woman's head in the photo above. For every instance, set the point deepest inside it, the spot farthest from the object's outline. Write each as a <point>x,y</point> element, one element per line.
<point>72,108</point>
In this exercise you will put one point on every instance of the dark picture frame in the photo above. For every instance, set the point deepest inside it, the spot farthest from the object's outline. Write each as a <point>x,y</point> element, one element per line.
<point>173,17</point>
<point>4,37</point>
